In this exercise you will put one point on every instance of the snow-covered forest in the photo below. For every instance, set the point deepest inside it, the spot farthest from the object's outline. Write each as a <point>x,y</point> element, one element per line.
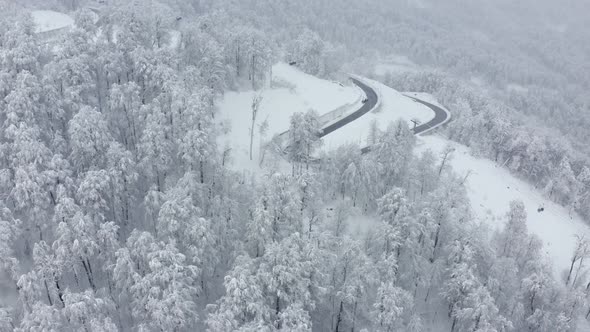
<point>121,210</point>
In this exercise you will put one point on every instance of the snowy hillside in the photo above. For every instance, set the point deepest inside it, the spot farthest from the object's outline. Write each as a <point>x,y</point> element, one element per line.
<point>491,188</point>
<point>48,20</point>
<point>292,91</point>
<point>395,64</point>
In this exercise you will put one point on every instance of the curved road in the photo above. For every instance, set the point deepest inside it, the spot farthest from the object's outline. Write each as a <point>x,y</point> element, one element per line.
<point>366,108</point>
<point>440,115</point>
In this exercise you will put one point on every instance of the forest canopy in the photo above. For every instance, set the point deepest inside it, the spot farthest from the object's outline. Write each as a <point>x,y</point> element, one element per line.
<point>118,211</point>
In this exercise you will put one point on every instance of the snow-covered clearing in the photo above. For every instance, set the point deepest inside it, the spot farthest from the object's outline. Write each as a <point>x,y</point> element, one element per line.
<point>395,64</point>
<point>292,91</point>
<point>48,20</point>
<point>175,37</point>
<point>394,106</point>
<point>517,88</point>
<point>492,187</point>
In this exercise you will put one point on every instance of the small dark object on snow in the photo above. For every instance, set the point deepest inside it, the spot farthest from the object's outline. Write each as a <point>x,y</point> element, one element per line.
<point>178,18</point>
<point>541,209</point>
<point>330,209</point>
<point>292,63</point>
<point>365,100</point>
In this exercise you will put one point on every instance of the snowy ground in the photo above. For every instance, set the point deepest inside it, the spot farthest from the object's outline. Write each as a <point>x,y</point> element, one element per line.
<point>394,106</point>
<point>175,36</point>
<point>293,91</point>
<point>427,97</point>
<point>491,188</point>
<point>48,20</point>
<point>395,64</point>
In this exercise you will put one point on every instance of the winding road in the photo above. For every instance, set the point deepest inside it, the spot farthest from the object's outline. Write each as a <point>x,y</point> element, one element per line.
<point>440,115</point>
<point>368,106</point>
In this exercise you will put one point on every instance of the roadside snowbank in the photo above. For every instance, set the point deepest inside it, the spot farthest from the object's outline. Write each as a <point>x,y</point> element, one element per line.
<point>293,91</point>
<point>491,188</point>
<point>427,97</point>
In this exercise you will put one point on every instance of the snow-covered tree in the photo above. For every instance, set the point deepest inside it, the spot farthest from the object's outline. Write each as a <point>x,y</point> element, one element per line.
<point>307,51</point>
<point>392,154</point>
<point>158,281</point>
<point>90,139</point>
<point>285,272</point>
<point>243,302</point>
<point>352,276</point>
<point>514,235</point>
<point>9,233</point>
<point>392,308</point>
<point>304,138</point>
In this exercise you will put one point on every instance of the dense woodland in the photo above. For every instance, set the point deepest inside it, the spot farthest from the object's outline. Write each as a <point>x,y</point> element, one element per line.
<point>118,211</point>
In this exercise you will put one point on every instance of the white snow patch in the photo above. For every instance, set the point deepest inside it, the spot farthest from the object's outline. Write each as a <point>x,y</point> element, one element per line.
<point>48,20</point>
<point>360,225</point>
<point>175,36</point>
<point>293,91</point>
<point>394,106</point>
<point>477,81</point>
<point>420,4</point>
<point>492,187</point>
<point>560,28</point>
<point>516,88</point>
<point>392,68</point>
<point>395,64</point>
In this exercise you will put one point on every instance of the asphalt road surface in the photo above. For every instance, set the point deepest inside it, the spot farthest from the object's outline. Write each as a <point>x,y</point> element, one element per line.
<point>366,108</point>
<point>440,116</point>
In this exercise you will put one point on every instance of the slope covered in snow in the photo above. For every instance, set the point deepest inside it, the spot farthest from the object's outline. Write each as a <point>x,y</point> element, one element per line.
<point>48,20</point>
<point>492,187</point>
<point>292,91</point>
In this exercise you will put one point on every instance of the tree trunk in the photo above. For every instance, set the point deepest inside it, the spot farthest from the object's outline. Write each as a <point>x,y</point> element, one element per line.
<point>47,291</point>
<point>477,323</point>
<point>203,286</point>
<point>339,319</point>
<point>52,196</point>
<point>278,311</point>
<point>59,292</point>
<point>354,316</point>
<point>202,171</point>
<point>578,271</point>
<point>238,61</point>
<point>251,138</point>
<point>436,238</point>
<point>88,273</point>
<point>429,287</point>
<point>569,275</point>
